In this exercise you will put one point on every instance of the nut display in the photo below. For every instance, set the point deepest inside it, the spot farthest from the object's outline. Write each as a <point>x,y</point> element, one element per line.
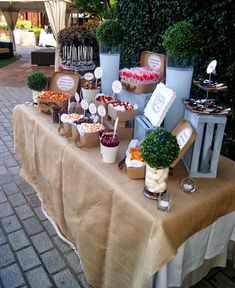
<point>55,96</point>
<point>125,105</point>
<point>105,99</point>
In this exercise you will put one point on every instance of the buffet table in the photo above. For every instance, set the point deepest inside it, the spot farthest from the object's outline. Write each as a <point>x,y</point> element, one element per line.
<point>121,237</point>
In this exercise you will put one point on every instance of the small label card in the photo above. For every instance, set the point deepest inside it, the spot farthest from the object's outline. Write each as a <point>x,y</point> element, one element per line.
<point>117,87</point>
<point>98,72</point>
<point>101,111</point>
<point>65,83</point>
<point>154,62</point>
<point>92,108</point>
<point>88,76</point>
<point>84,104</point>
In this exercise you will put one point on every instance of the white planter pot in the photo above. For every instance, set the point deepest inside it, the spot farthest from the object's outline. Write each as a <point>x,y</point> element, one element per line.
<point>109,62</point>
<point>178,78</point>
<point>155,181</point>
<point>109,154</point>
<point>89,94</point>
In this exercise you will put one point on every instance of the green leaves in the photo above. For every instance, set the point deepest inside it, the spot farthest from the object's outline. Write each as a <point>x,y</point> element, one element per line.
<point>109,33</point>
<point>181,40</point>
<point>37,81</point>
<point>160,148</point>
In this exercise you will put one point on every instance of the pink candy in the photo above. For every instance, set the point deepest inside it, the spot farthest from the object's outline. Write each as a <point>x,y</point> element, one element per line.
<point>139,75</point>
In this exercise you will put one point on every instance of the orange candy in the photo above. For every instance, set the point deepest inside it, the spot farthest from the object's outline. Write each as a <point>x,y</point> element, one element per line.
<point>136,154</point>
<point>55,96</point>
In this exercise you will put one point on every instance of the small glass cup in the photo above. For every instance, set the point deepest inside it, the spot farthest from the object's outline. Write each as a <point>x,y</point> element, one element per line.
<point>164,201</point>
<point>187,184</point>
<point>56,114</point>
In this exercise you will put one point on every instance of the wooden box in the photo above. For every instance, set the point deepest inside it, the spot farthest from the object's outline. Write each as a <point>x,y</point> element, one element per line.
<point>123,133</point>
<point>60,82</point>
<point>46,105</point>
<point>154,61</point>
<point>142,126</point>
<point>136,172</point>
<point>123,116</point>
<point>140,100</point>
<point>88,140</point>
<point>201,160</point>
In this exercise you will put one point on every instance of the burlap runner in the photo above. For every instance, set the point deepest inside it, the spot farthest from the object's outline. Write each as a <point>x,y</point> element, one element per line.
<point>121,237</point>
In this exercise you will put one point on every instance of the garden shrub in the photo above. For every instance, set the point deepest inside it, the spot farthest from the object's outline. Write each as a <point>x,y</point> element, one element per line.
<point>145,22</point>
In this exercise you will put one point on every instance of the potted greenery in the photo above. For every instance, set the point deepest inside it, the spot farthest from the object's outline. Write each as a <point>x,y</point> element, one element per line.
<point>159,149</point>
<point>36,81</point>
<point>109,34</point>
<point>181,42</point>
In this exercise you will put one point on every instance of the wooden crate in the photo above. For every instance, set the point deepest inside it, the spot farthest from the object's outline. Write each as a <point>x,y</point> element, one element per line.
<point>201,160</point>
<point>140,99</point>
<point>141,127</point>
<point>154,61</point>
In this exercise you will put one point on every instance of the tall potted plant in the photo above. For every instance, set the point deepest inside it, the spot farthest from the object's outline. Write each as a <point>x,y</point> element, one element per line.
<point>36,81</point>
<point>181,42</point>
<point>109,34</point>
<point>159,149</point>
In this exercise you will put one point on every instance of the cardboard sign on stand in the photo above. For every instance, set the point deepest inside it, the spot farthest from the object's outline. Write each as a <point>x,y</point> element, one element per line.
<point>64,82</point>
<point>154,61</point>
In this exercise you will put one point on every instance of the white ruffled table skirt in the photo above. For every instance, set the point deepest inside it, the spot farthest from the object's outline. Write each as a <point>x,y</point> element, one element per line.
<point>204,250</point>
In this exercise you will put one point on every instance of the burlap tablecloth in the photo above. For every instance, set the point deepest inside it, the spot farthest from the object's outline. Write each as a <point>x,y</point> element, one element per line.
<point>121,237</point>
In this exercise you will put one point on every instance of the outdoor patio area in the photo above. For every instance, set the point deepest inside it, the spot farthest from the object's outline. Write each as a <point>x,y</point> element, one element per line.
<point>31,253</point>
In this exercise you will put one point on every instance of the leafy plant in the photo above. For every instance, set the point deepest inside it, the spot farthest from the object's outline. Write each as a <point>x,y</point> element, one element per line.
<point>159,148</point>
<point>37,30</point>
<point>78,36</point>
<point>181,40</point>
<point>145,22</point>
<point>4,27</point>
<point>23,24</point>
<point>98,9</point>
<point>37,81</point>
<point>109,33</point>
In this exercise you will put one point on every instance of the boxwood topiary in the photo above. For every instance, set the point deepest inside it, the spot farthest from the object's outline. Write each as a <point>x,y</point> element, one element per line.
<point>159,148</point>
<point>181,40</point>
<point>37,81</point>
<point>109,33</point>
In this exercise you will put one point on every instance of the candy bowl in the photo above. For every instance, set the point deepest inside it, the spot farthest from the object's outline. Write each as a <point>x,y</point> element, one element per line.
<point>109,148</point>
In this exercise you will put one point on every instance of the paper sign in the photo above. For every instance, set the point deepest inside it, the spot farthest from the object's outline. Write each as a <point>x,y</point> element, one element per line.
<point>92,108</point>
<point>183,136</point>
<point>84,104</point>
<point>77,97</point>
<point>159,103</point>
<point>88,76</point>
<point>65,83</point>
<point>116,87</point>
<point>211,67</point>
<point>101,111</point>
<point>98,72</point>
<point>154,62</point>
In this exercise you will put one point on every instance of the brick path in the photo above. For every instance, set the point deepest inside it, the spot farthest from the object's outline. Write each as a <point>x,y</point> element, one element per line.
<point>31,254</point>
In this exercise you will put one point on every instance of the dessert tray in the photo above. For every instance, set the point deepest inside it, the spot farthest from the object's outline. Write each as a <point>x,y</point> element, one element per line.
<point>206,106</point>
<point>209,85</point>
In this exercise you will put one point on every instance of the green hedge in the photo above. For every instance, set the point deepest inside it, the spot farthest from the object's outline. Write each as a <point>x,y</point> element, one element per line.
<point>144,23</point>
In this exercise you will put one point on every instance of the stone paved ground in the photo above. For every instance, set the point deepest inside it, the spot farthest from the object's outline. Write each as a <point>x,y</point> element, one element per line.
<point>31,254</point>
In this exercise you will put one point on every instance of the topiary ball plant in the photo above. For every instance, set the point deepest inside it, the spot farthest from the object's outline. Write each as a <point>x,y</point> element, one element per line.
<point>181,40</point>
<point>159,148</point>
<point>109,33</point>
<point>37,81</point>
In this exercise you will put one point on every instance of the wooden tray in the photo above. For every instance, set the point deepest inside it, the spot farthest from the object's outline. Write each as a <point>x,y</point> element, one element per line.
<point>210,89</point>
<point>154,61</point>
<point>225,111</point>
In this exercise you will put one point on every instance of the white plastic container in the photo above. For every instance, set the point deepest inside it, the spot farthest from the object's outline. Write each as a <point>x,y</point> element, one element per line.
<point>109,154</point>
